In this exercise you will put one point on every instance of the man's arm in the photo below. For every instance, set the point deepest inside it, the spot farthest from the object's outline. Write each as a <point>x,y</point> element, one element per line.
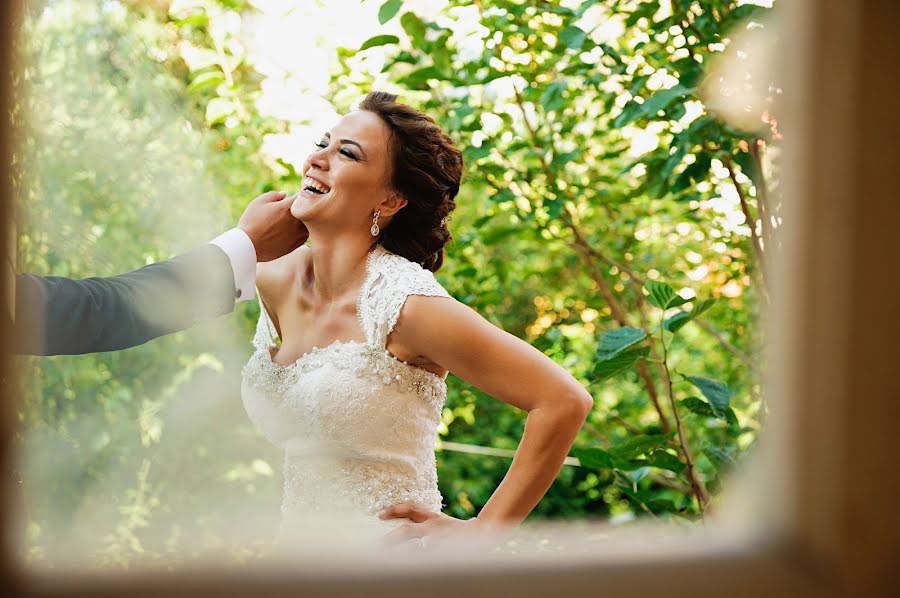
<point>60,316</point>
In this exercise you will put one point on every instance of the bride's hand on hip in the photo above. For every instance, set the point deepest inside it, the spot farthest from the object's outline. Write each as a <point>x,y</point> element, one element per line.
<point>425,524</point>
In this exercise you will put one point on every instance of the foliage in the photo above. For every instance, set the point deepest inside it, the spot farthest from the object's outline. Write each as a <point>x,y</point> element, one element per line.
<point>595,172</point>
<point>552,113</point>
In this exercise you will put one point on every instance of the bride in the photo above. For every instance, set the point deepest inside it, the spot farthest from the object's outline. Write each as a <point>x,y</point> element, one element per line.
<point>354,391</point>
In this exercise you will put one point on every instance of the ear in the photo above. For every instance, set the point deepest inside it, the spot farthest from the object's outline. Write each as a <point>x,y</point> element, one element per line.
<point>391,204</point>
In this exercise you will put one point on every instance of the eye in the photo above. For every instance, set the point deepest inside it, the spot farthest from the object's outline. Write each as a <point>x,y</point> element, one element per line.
<point>321,144</point>
<point>348,153</point>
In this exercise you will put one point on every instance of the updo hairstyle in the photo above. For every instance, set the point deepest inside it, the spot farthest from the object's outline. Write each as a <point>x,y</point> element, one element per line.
<point>426,168</point>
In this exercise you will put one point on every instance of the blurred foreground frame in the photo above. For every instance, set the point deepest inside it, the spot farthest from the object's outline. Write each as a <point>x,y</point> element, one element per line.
<point>815,523</point>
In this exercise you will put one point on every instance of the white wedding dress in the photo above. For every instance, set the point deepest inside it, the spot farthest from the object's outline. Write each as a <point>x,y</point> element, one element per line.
<point>357,425</point>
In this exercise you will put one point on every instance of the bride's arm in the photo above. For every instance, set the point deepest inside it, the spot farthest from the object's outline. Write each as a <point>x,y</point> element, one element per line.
<point>456,338</point>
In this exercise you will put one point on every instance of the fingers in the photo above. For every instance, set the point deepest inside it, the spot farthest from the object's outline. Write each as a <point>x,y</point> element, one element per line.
<point>270,196</point>
<point>404,533</point>
<point>289,199</point>
<point>284,201</point>
<point>405,509</point>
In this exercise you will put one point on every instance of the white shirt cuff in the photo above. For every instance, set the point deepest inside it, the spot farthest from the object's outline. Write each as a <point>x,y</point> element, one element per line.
<point>240,251</point>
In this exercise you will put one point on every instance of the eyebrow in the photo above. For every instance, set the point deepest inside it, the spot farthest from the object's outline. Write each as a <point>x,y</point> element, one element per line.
<point>350,142</point>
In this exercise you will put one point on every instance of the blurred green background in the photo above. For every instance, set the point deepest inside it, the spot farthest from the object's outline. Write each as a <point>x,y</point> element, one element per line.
<point>621,194</point>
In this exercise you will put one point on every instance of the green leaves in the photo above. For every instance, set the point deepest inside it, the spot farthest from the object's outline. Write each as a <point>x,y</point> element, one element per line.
<point>676,322</point>
<point>573,37</point>
<point>636,446</point>
<point>663,296</point>
<point>206,79</point>
<point>741,13</point>
<point>716,392</point>
<point>197,20</point>
<point>612,357</point>
<point>594,458</point>
<point>697,406</point>
<point>615,341</point>
<point>694,173</point>
<point>663,459</point>
<point>661,99</point>
<point>507,252</point>
<point>650,107</point>
<point>379,40</point>
<point>629,113</point>
<point>388,10</point>
<point>613,366</point>
<point>418,79</point>
<point>552,99</point>
<point>719,456</point>
<point>473,154</point>
<point>627,455</point>
<point>702,306</point>
<point>414,27</point>
<point>564,158</point>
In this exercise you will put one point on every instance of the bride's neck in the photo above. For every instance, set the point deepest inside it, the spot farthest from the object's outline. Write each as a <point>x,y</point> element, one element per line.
<point>337,264</point>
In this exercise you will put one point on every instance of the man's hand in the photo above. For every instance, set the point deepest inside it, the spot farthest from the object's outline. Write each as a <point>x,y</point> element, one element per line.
<point>271,227</point>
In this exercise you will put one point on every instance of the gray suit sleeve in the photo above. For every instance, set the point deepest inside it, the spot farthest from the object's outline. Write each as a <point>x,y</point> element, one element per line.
<point>61,316</point>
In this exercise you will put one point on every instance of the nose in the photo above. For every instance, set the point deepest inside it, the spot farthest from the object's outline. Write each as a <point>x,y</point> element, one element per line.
<point>318,159</point>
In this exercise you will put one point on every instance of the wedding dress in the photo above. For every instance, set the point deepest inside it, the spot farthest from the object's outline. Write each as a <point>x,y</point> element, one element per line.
<point>357,425</point>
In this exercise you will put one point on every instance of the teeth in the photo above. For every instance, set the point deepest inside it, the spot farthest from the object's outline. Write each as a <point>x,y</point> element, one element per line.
<point>311,184</point>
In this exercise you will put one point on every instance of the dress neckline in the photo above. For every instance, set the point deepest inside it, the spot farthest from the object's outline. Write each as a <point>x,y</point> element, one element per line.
<point>316,350</point>
<point>340,344</point>
<point>337,343</point>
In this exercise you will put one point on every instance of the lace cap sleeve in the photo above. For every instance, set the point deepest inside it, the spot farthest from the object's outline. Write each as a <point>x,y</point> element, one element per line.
<point>265,330</point>
<point>391,279</point>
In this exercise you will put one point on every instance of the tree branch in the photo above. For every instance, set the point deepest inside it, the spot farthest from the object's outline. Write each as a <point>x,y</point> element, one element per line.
<point>762,195</point>
<point>619,315</point>
<point>751,363</point>
<point>616,309</point>
<point>668,483</point>
<point>751,223</point>
<point>697,484</point>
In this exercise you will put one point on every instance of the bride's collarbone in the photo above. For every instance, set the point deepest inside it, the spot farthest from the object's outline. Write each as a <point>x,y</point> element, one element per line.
<point>308,329</point>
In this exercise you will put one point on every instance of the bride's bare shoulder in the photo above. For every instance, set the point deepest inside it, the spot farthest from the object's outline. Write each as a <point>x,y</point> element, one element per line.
<point>274,278</point>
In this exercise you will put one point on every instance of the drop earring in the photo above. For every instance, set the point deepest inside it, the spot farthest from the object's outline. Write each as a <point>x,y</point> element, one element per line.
<point>375,230</point>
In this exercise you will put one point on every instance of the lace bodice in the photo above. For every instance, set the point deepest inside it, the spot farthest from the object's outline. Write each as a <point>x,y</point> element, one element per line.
<point>358,426</point>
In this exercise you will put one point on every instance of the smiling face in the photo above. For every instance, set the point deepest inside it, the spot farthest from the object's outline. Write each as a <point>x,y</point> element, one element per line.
<point>346,179</point>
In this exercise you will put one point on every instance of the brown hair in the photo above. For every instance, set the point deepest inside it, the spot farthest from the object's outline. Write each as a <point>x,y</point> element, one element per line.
<point>426,170</point>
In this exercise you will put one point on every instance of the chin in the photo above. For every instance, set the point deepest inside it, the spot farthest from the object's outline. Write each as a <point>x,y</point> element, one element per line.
<point>302,209</point>
<point>307,204</point>
<point>297,212</point>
